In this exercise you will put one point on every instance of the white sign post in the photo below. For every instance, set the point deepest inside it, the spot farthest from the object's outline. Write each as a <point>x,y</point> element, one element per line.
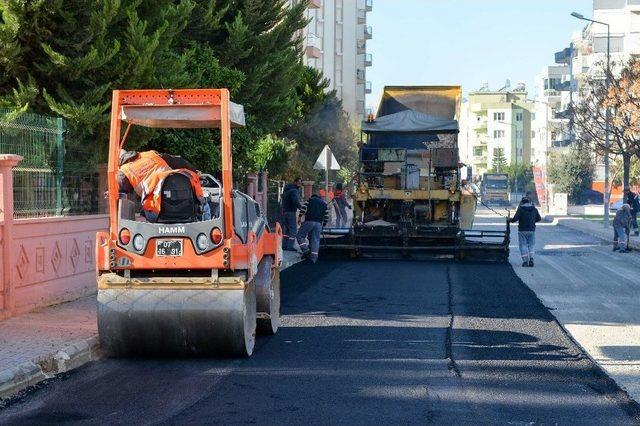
<point>326,161</point>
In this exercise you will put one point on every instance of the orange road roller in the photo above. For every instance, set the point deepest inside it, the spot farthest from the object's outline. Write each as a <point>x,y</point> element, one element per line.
<point>200,286</point>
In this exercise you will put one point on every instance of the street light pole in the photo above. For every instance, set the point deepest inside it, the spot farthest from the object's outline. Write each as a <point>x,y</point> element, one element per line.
<point>607,145</point>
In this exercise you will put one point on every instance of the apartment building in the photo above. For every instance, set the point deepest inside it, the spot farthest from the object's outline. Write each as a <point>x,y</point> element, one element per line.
<point>552,128</point>
<point>497,122</point>
<point>336,43</point>
<point>566,81</point>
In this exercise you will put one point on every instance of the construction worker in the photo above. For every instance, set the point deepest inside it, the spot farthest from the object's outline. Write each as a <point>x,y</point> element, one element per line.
<point>622,226</point>
<point>633,200</point>
<point>316,215</point>
<point>135,167</point>
<point>290,205</point>
<point>527,216</point>
<point>340,205</point>
<point>152,191</point>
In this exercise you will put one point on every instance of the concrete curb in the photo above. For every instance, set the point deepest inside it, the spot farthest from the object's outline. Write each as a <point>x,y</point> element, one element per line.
<point>72,356</point>
<point>603,235</point>
<point>15,379</point>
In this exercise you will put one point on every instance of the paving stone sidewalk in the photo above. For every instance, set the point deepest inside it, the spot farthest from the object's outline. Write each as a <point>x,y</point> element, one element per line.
<point>40,344</point>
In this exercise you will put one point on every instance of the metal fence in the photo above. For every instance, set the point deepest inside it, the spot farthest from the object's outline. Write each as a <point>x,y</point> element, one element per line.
<point>50,180</point>
<point>274,194</point>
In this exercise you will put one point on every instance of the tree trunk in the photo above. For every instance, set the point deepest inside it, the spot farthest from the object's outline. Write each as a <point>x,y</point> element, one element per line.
<point>626,172</point>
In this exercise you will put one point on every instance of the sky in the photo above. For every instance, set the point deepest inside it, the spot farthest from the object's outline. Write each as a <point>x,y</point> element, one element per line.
<point>467,42</point>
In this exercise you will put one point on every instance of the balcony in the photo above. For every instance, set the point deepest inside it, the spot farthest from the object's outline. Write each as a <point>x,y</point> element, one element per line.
<point>368,60</point>
<point>314,4</point>
<point>361,76</point>
<point>367,88</point>
<point>368,5</point>
<point>368,32</point>
<point>562,115</point>
<point>313,49</point>
<point>564,56</point>
<point>361,47</point>
<point>551,93</point>
<point>480,125</point>
<point>362,17</point>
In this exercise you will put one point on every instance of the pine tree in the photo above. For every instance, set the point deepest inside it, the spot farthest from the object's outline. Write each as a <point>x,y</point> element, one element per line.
<point>252,48</point>
<point>64,57</point>
<point>499,161</point>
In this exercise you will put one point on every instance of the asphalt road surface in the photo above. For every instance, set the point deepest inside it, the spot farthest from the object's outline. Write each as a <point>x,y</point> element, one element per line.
<point>363,342</point>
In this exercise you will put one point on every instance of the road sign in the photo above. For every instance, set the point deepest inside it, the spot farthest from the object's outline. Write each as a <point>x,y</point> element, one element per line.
<point>326,161</point>
<point>326,158</point>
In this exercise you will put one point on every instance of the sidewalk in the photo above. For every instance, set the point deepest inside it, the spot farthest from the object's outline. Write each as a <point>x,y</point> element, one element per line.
<point>594,228</point>
<point>592,291</point>
<point>38,345</point>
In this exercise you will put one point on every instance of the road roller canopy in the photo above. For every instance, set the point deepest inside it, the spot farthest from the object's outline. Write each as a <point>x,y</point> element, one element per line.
<point>179,109</point>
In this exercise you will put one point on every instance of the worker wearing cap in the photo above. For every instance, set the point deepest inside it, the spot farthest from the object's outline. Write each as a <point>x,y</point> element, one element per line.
<point>316,215</point>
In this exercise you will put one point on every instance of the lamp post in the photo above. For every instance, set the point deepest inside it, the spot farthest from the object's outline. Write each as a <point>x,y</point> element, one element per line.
<point>607,192</point>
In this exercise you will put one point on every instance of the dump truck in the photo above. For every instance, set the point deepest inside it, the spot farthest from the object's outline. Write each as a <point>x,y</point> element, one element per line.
<point>409,198</point>
<point>494,189</point>
<point>196,288</point>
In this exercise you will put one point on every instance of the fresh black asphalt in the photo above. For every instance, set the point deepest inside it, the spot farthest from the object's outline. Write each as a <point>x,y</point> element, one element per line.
<point>362,342</point>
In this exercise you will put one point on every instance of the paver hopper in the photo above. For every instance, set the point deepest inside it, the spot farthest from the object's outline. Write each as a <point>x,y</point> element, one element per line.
<point>185,288</point>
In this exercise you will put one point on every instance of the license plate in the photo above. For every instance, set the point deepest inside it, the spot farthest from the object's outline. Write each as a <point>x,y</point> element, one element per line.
<point>167,248</point>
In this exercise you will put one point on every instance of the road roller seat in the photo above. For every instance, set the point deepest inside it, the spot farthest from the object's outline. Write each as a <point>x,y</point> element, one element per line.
<point>179,202</point>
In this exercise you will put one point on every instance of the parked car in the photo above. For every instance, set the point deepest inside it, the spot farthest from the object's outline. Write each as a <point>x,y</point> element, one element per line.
<point>615,206</point>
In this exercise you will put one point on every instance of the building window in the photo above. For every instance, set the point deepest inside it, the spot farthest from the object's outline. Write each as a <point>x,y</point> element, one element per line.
<point>518,116</point>
<point>533,134</point>
<point>477,151</point>
<point>498,116</point>
<point>533,116</point>
<point>498,134</point>
<point>519,134</point>
<point>635,21</point>
<point>600,44</point>
<point>552,83</point>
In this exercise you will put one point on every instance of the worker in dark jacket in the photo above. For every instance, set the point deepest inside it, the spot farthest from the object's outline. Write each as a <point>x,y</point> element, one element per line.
<point>621,228</point>
<point>527,216</point>
<point>290,205</point>
<point>316,215</point>
<point>633,200</point>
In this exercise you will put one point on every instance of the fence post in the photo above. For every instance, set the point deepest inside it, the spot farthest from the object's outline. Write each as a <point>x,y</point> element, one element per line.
<point>7,163</point>
<point>308,189</point>
<point>264,191</point>
<point>103,187</point>
<point>252,185</point>
<point>59,163</point>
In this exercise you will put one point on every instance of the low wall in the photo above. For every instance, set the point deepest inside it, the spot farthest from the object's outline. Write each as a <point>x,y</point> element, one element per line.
<point>1,268</point>
<point>586,210</point>
<point>53,260</point>
<point>43,261</point>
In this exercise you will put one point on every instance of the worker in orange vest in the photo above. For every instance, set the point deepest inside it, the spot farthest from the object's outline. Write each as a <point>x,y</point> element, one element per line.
<point>322,193</point>
<point>135,167</point>
<point>152,191</point>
